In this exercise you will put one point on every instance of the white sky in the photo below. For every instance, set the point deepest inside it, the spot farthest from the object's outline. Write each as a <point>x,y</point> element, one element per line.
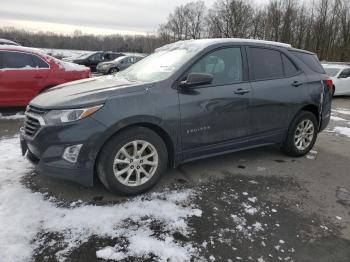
<point>90,16</point>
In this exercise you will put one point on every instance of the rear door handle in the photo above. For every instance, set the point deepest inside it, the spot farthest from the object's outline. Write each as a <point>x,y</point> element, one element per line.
<point>38,77</point>
<point>296,83</point>
<point>241,91</point>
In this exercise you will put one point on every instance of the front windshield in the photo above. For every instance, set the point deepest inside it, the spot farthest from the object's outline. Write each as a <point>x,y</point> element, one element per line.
<point>119,58</point>
<point>158,66</point>
<point>332,71</point>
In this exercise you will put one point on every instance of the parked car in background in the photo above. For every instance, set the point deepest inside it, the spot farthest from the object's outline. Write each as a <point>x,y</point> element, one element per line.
<point>340,74</point>
<point>7,42</point>
<point>189,100</point>
<point>26,72</point>
<point>118,64</point>
<point>92,59</point>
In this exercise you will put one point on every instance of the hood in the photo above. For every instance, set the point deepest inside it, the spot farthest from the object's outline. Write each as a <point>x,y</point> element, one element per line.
<point>85,92</point>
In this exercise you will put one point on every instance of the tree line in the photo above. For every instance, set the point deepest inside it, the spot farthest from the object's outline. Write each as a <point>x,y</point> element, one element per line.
<point>320,26</point>
<point>80,41</point>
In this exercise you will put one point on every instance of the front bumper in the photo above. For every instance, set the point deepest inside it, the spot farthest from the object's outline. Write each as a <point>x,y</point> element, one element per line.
<point>46,147</point>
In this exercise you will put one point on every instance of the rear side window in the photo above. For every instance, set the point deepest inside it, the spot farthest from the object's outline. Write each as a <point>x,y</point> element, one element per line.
<point>16,60</point>
<point>289,67</point>
<point>265,63</point>
<point>39,63</point>
<point>311,61</point>
<point>225,65</point>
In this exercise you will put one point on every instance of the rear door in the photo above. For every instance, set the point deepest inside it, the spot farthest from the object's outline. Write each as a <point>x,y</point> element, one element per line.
<point>214,115</point>
<point>22,77</point>
<point>278,89</point>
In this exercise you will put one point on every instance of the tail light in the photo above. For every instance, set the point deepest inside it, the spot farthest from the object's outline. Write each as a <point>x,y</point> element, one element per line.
<point>329,83</point>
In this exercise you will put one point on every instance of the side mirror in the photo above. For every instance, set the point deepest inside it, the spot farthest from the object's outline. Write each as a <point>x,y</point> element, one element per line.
<point>196,79</point>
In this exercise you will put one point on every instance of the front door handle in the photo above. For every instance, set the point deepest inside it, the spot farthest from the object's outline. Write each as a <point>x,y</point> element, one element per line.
<point>38,77</point>
<point>241,91</point>
<point>296,83</point>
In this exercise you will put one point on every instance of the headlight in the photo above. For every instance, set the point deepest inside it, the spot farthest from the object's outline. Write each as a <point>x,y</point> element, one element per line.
<point>69,115</point>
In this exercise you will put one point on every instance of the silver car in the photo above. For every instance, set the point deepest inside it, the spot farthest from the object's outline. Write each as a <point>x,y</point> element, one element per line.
<point>118,64</point>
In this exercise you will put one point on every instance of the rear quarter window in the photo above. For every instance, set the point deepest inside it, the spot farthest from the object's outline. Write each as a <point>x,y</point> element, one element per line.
<point>310,60</point>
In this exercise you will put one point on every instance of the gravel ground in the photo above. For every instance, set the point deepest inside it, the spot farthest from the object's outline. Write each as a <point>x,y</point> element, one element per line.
<point>256,205</point>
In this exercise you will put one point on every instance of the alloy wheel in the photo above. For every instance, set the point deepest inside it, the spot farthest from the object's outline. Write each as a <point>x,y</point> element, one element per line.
<point>135,163</point>
<point>304,134</point>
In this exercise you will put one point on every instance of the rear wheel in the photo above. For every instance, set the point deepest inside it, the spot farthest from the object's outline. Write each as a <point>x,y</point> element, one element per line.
<point>301,135</point>
<point>333,90</point>
<point>132,161</point>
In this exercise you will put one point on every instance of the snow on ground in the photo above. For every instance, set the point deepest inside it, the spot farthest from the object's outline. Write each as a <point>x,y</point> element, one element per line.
<point>345,131</point>
<point>336,118</point>
<point>27,215</point>
<point>18,115</point>
<point>342,111</point>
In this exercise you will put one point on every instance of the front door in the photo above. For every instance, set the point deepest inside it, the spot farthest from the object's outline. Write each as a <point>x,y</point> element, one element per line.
<point>216,114</point>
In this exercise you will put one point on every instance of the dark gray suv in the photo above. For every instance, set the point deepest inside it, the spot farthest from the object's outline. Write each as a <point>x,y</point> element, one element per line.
<point>189,100</point>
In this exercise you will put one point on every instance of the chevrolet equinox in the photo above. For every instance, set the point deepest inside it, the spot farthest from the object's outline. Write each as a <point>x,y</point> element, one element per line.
<point>189,100</point>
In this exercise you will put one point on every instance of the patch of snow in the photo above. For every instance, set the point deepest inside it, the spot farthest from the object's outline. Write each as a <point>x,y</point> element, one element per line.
<point>18,115</point>
<point>336,118</point>
<point>26,215</point>
<point>109,253</point>
<point>342,130</point>
<point>342,111</point>
<point>252,199</point>
<point>70,67</point>
<point>249,209</point>
<point>338,217</point>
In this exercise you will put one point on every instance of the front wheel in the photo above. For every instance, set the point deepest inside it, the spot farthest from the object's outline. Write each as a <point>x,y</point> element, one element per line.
<point>132,161</point>
<point>301,135</point>
<point>113,70</point>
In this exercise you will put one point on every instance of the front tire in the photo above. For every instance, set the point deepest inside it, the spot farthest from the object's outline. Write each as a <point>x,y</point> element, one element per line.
<point>301,135</point>
<point>113,70</point>
<point>132,161</point>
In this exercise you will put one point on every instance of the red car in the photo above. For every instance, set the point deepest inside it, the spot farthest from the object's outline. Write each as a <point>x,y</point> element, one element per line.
<point>26,72</point>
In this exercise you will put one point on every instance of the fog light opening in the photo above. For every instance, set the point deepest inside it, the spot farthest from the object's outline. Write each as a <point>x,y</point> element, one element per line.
<point>71,153</point>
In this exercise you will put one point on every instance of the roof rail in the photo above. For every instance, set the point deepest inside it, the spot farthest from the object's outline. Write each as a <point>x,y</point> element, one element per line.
<point>263,42</point>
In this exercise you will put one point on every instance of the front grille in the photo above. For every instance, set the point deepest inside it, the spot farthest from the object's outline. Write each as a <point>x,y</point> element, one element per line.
<point>33,120</point>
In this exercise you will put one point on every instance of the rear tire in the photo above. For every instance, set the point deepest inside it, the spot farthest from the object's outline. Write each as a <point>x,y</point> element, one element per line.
<point>301,135</point>
<point>132,161</point>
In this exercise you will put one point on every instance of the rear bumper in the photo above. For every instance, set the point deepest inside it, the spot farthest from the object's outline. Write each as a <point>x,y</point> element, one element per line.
<point>46,147</point>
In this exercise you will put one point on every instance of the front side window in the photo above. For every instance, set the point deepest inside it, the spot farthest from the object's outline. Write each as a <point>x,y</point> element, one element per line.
<point>16,60</point>
<point>266,64</point>
<point>225,65</point>
<point>345,73</point>
<point>96,57</point>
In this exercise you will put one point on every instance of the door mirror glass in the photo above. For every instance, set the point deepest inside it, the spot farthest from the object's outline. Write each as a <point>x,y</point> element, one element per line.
<point>196,79</point>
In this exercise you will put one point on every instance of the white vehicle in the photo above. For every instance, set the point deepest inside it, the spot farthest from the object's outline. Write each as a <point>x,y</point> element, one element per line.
<point>340,75</point>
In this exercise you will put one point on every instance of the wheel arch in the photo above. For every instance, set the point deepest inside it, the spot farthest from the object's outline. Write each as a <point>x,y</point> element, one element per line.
<point>310,108</point>
<point>162,132</point>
